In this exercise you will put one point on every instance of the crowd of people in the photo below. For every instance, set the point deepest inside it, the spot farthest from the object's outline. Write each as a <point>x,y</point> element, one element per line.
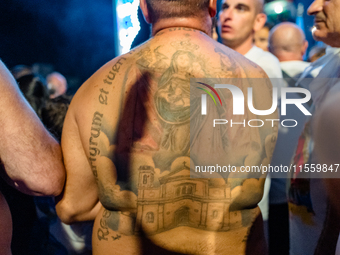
<point>112,169</point>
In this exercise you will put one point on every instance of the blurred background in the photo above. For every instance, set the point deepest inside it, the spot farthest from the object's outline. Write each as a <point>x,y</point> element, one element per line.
<point>76,37</point>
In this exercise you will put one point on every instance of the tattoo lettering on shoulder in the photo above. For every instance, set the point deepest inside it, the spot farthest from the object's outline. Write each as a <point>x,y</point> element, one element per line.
<point>93,143</point>
<point>176,29</point>
<point>114,71</point>
<point>103,96</point>
<point>98,117</point>
<point>185,29</point>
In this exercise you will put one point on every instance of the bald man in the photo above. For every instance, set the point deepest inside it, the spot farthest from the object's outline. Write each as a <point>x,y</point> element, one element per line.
<point>288,43</point>
<point>57,84</point>
<point>237,23</point>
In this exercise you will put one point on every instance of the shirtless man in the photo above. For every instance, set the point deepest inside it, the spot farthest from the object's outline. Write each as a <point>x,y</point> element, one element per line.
<point>30,158</point>
<point>126,140</point>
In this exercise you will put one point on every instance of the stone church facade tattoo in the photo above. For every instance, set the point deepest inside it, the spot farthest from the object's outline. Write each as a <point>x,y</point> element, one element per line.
<point>183,201</point>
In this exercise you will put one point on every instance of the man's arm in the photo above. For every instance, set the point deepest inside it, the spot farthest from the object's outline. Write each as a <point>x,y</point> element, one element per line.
<point>82,140</point>
<point>31,158</point>
<point>5,226</point>
<point>79,200</point>
<point>326,128</point>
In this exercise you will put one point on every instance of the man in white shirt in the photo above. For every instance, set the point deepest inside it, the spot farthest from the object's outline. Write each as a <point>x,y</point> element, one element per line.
<point>288,43</point>
<point>238,21</point>
<point>313,220</point>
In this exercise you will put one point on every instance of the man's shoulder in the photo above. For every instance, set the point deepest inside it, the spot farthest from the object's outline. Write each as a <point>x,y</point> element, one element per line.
<point>250,68</point>
<point>256,54</point>
<point>295,63</point>
<point>268,56</point>
<point>266,60</point>
<point>108,74</point>
<point>96,88</point>
<point>294,68</point>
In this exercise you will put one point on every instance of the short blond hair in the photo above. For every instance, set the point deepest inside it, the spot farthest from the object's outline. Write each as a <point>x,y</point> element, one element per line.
<point>259,6</point>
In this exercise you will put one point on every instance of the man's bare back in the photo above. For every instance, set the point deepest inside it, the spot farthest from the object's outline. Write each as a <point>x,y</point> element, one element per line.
<point>132,120</point>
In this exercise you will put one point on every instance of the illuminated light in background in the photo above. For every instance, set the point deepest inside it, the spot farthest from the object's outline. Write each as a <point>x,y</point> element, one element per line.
<point>128,23</point>
<point>124,10</point>
<point>313,29</point>
<point>278,8</point>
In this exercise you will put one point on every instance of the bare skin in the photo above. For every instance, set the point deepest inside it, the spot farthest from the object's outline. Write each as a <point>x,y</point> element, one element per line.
<point>238,21</point>
<point>261,38</point>
<point>131,120</point>
<point>30,157</point>
<point>5,226</point>
<point>287,42</point>
<point>130,140</point>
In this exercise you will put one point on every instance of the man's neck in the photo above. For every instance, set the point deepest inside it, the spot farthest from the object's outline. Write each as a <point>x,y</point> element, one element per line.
<point>203,25</point>
<point>244,47</point>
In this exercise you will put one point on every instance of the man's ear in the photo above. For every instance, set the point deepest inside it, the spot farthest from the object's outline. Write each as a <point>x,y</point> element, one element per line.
<point>259,22</point>
<point>145,11</point>
<point>304,48</point>
<point>212,8</point>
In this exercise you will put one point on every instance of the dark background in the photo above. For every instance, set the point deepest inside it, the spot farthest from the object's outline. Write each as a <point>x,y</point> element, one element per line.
<point>75,36</point>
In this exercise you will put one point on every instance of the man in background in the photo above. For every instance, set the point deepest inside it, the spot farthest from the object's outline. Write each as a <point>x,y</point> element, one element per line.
<point>313,219</point>
<point>316,52</point>
<point>57,84</point>
<point>288,43</point>
<point>261,38</point>
<point>238,21</point>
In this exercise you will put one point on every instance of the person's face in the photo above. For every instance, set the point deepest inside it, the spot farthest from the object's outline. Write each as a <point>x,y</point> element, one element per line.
<point>326,21</point>
<point>236,21</point>
<point>57,84</point>
<point>261,38</point>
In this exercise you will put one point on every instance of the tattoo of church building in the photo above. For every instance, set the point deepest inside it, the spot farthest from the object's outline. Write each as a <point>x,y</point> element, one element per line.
<point>183,201</point>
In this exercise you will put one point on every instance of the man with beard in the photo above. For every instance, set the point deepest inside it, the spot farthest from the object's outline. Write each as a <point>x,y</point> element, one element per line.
<point>314,227</point>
